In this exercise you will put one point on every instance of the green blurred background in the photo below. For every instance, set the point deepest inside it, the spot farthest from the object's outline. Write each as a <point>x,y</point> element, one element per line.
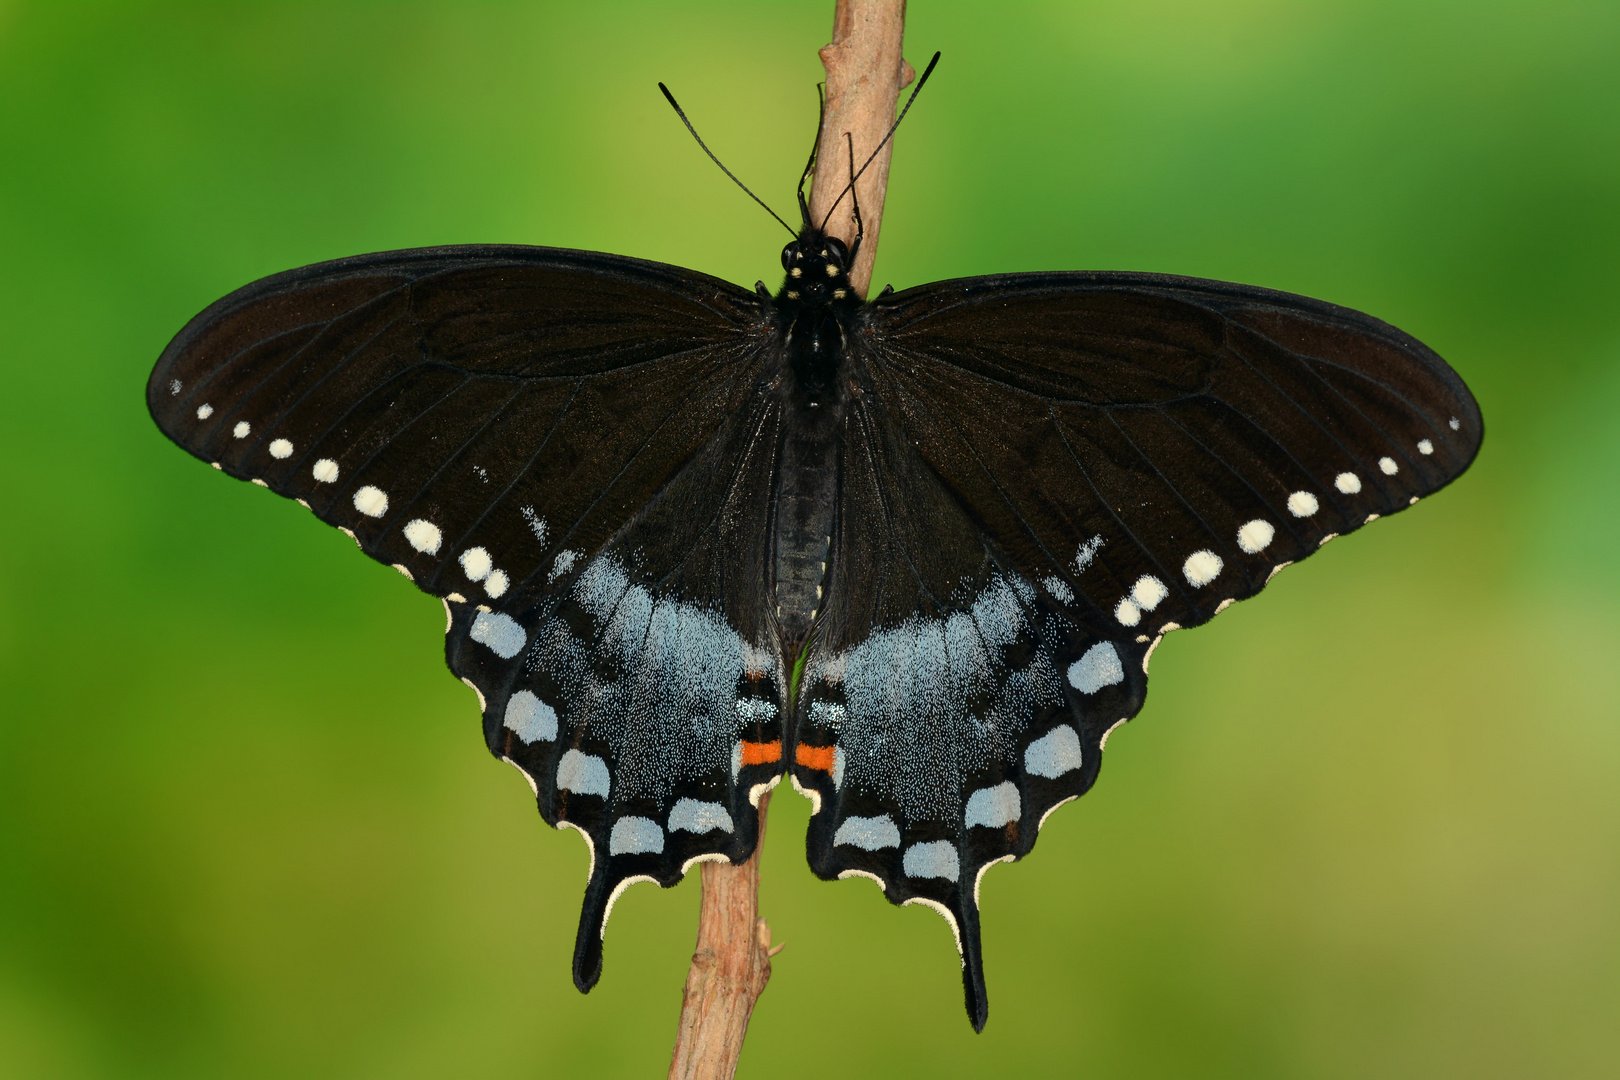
<point>1367,825</point>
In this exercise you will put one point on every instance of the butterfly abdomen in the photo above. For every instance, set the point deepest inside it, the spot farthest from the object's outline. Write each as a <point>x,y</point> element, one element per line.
<point>806,495</point>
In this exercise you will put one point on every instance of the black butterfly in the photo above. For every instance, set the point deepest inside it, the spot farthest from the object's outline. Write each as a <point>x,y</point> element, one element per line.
<point>913,554</point>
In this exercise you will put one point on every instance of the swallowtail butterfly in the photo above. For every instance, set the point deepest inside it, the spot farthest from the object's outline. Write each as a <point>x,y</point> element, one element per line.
<point>912,554</point>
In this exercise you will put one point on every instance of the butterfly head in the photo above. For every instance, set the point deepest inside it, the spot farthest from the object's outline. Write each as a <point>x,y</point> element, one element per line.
<point>817,268</point>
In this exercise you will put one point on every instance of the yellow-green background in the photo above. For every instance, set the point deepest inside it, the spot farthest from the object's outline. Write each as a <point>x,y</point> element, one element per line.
<point>1368,825</point>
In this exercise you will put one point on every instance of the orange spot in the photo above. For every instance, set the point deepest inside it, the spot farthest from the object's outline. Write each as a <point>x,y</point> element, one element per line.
<point>814,757</point>
<point>761,753</point>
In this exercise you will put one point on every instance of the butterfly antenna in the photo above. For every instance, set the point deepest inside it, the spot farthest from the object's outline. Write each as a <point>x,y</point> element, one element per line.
<point>929,70</point>
<point>676,106</point>
<point>854,200</point>
<point>815,144</point>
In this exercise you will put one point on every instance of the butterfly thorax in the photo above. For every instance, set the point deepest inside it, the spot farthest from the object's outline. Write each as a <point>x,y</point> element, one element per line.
<point>816,307</point>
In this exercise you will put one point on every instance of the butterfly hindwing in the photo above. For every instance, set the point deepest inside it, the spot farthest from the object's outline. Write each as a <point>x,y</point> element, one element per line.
<point>947,704</point>
<point>644,715</point>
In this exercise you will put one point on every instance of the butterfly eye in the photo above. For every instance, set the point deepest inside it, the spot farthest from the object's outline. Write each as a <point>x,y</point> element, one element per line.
<point>787,255</point>
<point>837,253</point>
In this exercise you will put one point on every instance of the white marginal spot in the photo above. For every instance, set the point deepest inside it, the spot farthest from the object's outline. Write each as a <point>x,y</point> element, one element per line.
<point>1148,592</point>
<point>759,791</point>
<point>482,704</point>
<point>241,429</point>
<point>1387,466</point>
<point>1059,589</point>
<point>1087,552</point>
<point>590,846</point>
<point>1053,808</point>
<point>217,465</point>
<point>1425,447</point>
<point>1347,482</point>
<point>1053,754</point>
<point>1412,501</point>
<point>449,620</point>
<point>402,569</point>
<point>496,583</point>
<point>711,856</point>
<point>325,471</point>
<point>978,879</point>
<point>1370,519</point>
<point>1099,667</point>
<point>424,536</point>
<point>258,482</point>
<point>944,912</point>
<point>1223,605</point>
<point>844,875</point>
<point>1303,504</point>
<point>698,817</point>
<point>584,773</point>
<point>618,891</point>
<point>350,534</point>
<point>867,833</point>
<point>636,836</point>
<point>1456,425</point>
<point>1127,612</point>
<point>457,597</point>
<point>1323,542</point>
<point>529,718</point>
<point>1103,743</point>
<point>1255,536</point>
<point>810,793</point>
<point>994,807</point>
<point>1276,569</point>
<point>1141,639</point>
<point>534,787</point>
<point>204,411</point>
<point>281,448</point>
<point>302,503</point>
<point>933,859</point>
<point>477,563</point>
<point>500,633</point>
<point>371,501</point>
<point>1201,568</point>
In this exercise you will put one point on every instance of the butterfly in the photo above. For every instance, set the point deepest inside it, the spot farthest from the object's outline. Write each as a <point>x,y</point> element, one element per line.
<point>913,554</point>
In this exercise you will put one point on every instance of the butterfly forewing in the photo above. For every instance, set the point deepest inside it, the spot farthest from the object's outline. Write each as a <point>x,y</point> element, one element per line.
<point>1158,446</point>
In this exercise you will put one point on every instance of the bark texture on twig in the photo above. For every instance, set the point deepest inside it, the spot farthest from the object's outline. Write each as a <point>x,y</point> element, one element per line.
<point>865,72</point>
<point>732,962</point>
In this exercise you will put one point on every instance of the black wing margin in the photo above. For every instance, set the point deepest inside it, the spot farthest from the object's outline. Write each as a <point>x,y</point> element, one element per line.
<point>562,446</point>
<point>1042,475</point>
